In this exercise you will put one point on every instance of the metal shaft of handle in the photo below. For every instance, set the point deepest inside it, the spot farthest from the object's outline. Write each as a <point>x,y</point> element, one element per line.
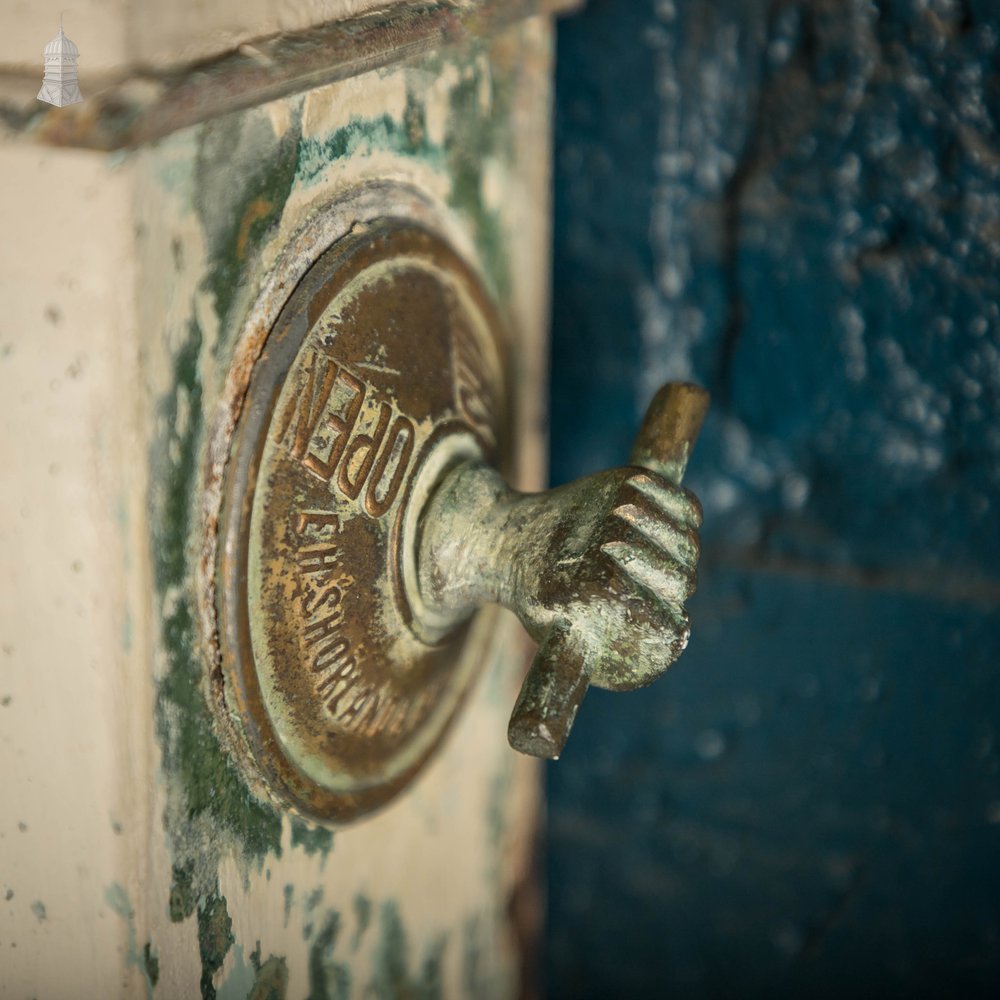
<point>558,678</point>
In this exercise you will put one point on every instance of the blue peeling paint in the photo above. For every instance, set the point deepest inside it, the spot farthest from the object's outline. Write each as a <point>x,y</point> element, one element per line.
<point>798,205</point>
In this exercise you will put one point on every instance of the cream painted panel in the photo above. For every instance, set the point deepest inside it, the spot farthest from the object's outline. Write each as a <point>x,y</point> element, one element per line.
<point>75,748</point>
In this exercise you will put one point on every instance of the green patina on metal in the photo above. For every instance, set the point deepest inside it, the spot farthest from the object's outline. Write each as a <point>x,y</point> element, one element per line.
<point>146,959</point>
<point>312,839</point>
<point>567,562</point>
<point>392,976</point>
<point>364,136</point>
<point>328,980</point>
<point>215,938</point>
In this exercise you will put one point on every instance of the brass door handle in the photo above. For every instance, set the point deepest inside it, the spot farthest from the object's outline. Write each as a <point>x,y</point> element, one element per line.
<point>355,521</point>
<point>597,571</point>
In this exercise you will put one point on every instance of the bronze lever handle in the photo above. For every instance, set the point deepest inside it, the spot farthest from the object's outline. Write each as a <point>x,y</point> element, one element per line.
<point>360,523</point>
<point>597,570</point>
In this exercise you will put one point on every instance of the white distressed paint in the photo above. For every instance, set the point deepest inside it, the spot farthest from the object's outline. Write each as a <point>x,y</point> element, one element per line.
<point>110,248</point>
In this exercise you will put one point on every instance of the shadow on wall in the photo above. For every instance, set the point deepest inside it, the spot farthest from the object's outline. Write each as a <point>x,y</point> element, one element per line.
<point>796,204</point>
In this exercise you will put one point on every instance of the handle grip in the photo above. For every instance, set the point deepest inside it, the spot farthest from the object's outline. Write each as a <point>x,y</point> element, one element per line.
<point>558,678</point>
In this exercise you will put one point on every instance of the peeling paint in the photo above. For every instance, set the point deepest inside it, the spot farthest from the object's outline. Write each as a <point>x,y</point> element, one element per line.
<point>476,134</point>
<point>312,839</point>
<point>328,980</point>
<point>309,905</point>
<point>206,796</point>
<point>472,140</point>
<point>393,977</point>
<point>255,980</point>
<point>215,938</point>
<point>271,982</point>
<point>363,916</point>
<point>360,137</point>
<point>795,204</point>
<point>237,217</point>
<point>245,172</point>
<point>150,964</point>
<point>205,792</point>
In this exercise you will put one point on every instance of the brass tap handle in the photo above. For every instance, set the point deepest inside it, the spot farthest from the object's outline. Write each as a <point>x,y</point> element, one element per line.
<point>597,570</point>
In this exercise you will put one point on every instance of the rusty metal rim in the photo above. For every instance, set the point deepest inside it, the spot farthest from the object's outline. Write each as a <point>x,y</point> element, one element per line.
<point>236,701</point>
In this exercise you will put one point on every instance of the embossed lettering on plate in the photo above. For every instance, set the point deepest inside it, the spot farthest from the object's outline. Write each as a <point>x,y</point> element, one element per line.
<point>386,353</point>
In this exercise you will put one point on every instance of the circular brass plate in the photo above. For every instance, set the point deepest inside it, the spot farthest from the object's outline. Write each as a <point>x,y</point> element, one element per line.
<point>382,369</point>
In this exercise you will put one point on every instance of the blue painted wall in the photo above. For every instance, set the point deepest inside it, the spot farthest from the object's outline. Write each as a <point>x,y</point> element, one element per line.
<point>796,204</point>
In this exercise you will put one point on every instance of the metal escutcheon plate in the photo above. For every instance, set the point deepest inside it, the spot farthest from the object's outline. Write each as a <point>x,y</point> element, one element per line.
<point>382,370</point>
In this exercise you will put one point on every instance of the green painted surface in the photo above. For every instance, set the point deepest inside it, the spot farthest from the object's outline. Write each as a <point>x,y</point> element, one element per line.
<point>393,976</point>
<point>215,938</point>
<point>363,916</point>
<point>361,137</point>
<point>312,839</point>
<point>309,905</point>
<point>253,979</point>
<point>328,980</point>
<point>209,809</point>
<point>239,982</point>
<point>271,982</point>
<point>206,795</point>
<point>151,964</point>
<point>237,217</point>
<point>144,959</point>
<point>473,136</point>
<point>471,140</point>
